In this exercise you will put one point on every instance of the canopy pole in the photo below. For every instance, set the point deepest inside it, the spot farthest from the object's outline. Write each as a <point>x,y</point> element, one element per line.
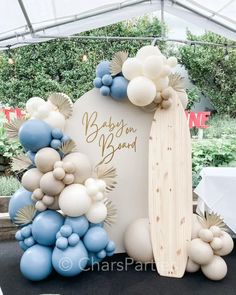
<point>22,6</point>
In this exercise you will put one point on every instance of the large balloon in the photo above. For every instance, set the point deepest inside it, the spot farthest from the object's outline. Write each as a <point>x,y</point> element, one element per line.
<point>147,51</point>
<point>103,68</point>
<point>46,158</point>
<point>31,179</point>
<point>152,66</point>
<point>50,185</point>
<point>82,165</point>
<point>19,200</point>
<point>33,104</point>
<point>74,200</point>
<point>97,212</point>
<point>36,263</point>
<point>35,135</point>
<point>45,227</point>
<point>96,239</point>
<point>132,68</point>
<point>119,88</point>
<point>56,120</point>
<point>137,241</point>
<point>71,261</point>
<point>141,91</point>
<point>79,224</point>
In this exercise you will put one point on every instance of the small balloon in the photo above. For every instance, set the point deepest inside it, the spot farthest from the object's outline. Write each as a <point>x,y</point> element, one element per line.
<point>96,239</point>
<point>46,158</point>
<point>132,68</point>
<point>31,179</point>
<point>51,186</point>
<point>97,212</point>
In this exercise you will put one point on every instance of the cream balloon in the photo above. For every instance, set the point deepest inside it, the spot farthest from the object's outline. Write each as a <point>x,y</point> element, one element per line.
<point>56,120</point>
<point>216,243</point>
<point>46,158</point>
<point>227,244</point>
<point>152,66</point>
<point>55,205</point>
<point>33,104</point>
<point>192,266</point>
<point>48,200</point>
<point>196,226</point>
<point>161,83</point>
<point>165,71</point>
<point>37,194</point>
<point>43,111</point>
<point>69,179</point>
<point>205,235</point>
<point>215,230</point>
<point>172,61</point>
<point>147,51</point>
<point>215,270</point>
<point>59,173</point>
<point>132,68</point>
<point>31,179</point>
<point>74,200</point>
<point>137,241</point>
<point>141,91</point>
<point>51,186</point>
<point>97,212</point>
<point>40,206</point>
<point>83,168</point>
<point>200,252</point>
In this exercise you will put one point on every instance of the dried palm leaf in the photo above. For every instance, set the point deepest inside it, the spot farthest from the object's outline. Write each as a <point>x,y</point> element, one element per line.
<point>111,212</point>
<point>25,215</point>
<point>117,62</point>
<point>12,128</point>
<point>210,219</point>
<point>176,81</point>
<point>63,103</point>
<point>68,147</point>
<point>20,162</point>
<point>107,174</point>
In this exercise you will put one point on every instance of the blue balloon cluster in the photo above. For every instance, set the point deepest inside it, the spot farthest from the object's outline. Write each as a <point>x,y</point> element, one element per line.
<point>67,244</point>
<point>115,86</point>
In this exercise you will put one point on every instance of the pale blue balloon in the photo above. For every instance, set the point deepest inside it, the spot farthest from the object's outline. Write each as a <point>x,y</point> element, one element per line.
<point>101,254</point>
<point>103,68</point>
<point>36,263</point>
<point>65,138</point>
<point>79,224</point>
<point>111,246</point>
<point>119,88</point>
<point>73,239</point>
<point>107,80</point>
<point>29,242</point>
<point>55,144</point>
<point>18,236</point>
<point>110,253</point>
<point>62,243</point>
<point>23,246</point>
<point>31,156</point>
<point>97,82</point>
<point>71,261</point>
<point>35,135</point>
<point>57,133</point>
<point>19,200</point>
<point>66,230</point>
<point>92,259</point>
<point>26,231</point>
<point>105,90</point>
<point>45,227</point>
<point>95,239</point>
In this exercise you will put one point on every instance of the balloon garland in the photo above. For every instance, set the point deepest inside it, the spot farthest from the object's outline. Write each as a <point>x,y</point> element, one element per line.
<point>58,177</point>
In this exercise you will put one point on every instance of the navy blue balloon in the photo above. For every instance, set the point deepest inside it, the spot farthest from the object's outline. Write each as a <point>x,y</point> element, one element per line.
<point>103,68</point>
<point>36,263</point>
<point>35,135</point>
<point>97,82</point>
<point>71,261</point>
<point>45,227</point>
<point>19,200</point>
<point>107,80</point>
<point>96,239</point>
<point>79,224</point>
<point>105,90</point>
<point>119,88</point>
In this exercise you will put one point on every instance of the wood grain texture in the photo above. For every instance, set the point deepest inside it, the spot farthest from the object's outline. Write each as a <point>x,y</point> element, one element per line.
<point>170,189</point>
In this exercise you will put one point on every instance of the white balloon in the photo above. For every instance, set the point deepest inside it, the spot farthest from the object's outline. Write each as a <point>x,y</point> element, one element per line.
<point>33,104</point>
<point>74,200</point>
<point>56,120</point>
<point>132,68</point>
<point>172,61</point>
<point>152,66</point>
<point>162,83</point>
<point>141,91</point>
<point>192,266</point>
<point>227,244</point>
<point>216,270</point>
<point>200,252</point>
<point>137,241</point>
<point>147,51</point>
<point>97,212</point>
<point>43,111</point>
<point>165,71</point>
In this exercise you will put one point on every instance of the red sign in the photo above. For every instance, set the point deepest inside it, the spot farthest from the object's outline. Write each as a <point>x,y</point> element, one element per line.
<point>197,120</point>
<point>12,113</point>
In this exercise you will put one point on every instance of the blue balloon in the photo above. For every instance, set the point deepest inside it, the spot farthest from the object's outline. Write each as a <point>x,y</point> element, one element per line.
<point>71,261</point>
<point>18,236</point>
<point>73,239</point>
<point>31,156</point>
<point>57,133</point>
<point>79,224</point>
<point>26,231</point>
<point>97,82</point>
<point>107,80</point>
<point>92,259</point>
<point>62,243</point>
<point>101,224</point>
<point>119,88</point>
<point>55,144</point>
<point>45,227</point>
<point>36,263</point>
<point>95,239</point>
<point>105,90</point>
<point>29,242</point>
<point>101,254</point>
<point>111,246</point>
<point>19,200</point>
<point>65,138</point>
<point>35,135</point>
<point>103,68</point>
<point>110,253</point>
<point>66,230</point>
<point>23,245</point>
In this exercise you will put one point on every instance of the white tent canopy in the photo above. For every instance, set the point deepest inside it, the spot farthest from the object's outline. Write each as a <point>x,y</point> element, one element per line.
<point>29,21</point>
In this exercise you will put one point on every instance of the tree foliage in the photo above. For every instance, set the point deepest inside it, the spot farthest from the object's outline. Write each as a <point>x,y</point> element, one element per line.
<point>212,70</point>
<point>58,65</point>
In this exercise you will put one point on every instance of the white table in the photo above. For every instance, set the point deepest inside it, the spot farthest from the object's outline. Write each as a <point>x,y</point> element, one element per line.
<point>217,193</point>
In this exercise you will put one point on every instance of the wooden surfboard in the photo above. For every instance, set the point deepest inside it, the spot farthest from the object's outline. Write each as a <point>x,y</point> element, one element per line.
<point>170,189</point>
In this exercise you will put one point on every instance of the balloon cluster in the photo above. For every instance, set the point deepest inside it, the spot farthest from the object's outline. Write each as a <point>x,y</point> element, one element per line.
<point>207,246</point>
<point>115,86</point>
<point>58,178</point>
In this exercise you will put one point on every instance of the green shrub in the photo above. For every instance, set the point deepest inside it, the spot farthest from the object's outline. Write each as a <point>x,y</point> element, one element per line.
<point>8,185</point>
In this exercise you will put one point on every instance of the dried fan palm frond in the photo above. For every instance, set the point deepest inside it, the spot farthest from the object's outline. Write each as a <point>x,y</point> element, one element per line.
<point>63,103</point>
<point>68,147</point>
<point>12,128</point>
<point>111,212</point>
<point>176,81</point>
<point>117,62</point>
<point>20,162</point>
<point>210,219</point>
<point>107,174</point>
<point>25,215</point>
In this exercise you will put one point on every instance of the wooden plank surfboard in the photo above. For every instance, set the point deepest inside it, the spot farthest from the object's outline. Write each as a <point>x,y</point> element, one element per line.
<point>170,189</point>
